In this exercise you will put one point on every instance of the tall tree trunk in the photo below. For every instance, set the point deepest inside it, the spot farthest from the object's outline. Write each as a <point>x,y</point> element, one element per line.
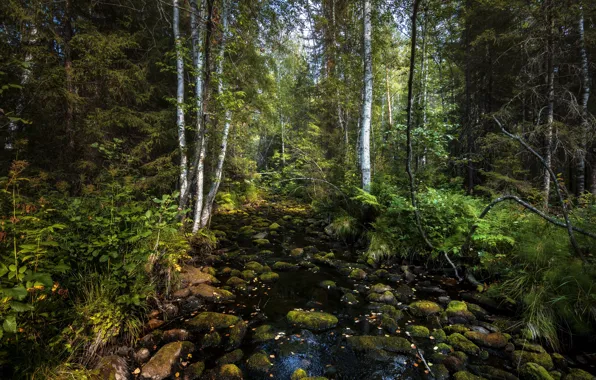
<point>68,120</point>
<point>468,108</point>
<point>367,100</point>
<point>585,97</point>
<point>197,16</point>
<point>180,105</point>
<point>207,210</point>
<point>550,82</point>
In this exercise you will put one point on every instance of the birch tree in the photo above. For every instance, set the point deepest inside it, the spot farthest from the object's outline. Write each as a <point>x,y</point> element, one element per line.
<point>366,113</point>
<point>585,98</point>
<point>550,108</point>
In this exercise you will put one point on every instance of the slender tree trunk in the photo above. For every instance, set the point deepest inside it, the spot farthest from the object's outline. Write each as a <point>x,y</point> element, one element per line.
<point>68,119</point>
<point>208,208</point>
<point>390,107</point>
<point>468,109</point>
<point>546,182</point>
<point>367,100</point>
<point>197,16</point>
<point>180,105</point>
<point>585,97</point>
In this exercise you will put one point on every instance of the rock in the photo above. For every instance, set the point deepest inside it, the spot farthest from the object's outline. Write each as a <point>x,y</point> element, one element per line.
<point>392,312</point>
<point>523,357</point>
<point>248,274</point>
<point>298,374</point>
<point>425,308</point>
<point>264,333</point>
<point>380,288</point>
<point>349,299</point>
<point>259,362</point>
<point>439,335</point>
<point>387,343</point>
<point>327,284</point>
<point>211,293</point>
<point>165,362</point>
<point>559,360</point>
<point>269,277</point>
<point>254,266</point>
<point>492,373</point>
<point>461,343</point>
<point>260,235</point>
<point>112,367</point>
<point>190,276</point>
<point>492,340</point>
<point>418,331</point>
<point>181,293</point>
<point>274,226</point>
<point>357,274</point>
<point>440,372</point>
<point>284,267</point>
<point>229,372</point>
<point>478,311</point>
<point>231,357</point>
<point>212,339</point>
<point>261,242</point>
<point>297,252</point>
<point>453,363</point>
<point>386,297</point>
<point>207,320</point>
<point>142,355</point>
<point>175,334</point>
<point>457,328</point>
<point>152,339</point>
<point>154,323</point>
<point>311,320</point>
<point>457,312</point>
<point>464,375</point>
<point>235,281</point>
<point>578,374</point>
<point>525,345</point>
<point>533,371</point>
<point>237,333</point>
<point>194,371</point>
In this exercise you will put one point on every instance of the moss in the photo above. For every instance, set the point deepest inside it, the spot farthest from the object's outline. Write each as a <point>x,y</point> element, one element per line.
<point>283,266</point>
<point>225,271</point>
<point>386,297</point>
<point>389,324</point>
<point>274,226</point>
<point>478,311</point>
<point>298,374</point>
<point>207,320</point>
<point>357,274</point>
<point>525,345</point>
<point>235,273</point>
<point>164,362</point>
<point>237,333</point>
<point>533,371</point>
<point>266,252</point>
<point>425,308</point>
<point>492,340</point>
<point>418,331</point>
<point>254,266</point>
<point>296,252</point>
<point>211,340</point>
<point>269,277</point>
<point>194,371</point>
<point>231,357</point>
<point>444,348</point>
<point>259,362</point>
<point>439,335</point>
<point>459,309</point>
<point>230,372</point>
<point>327,284</point>
<point>263,333</point>
<point>369,342</point>
<point>523,357</point>
<point>461,343</point>
<point>461,329</point>
<point>578,374</point>
<point>312,320</point>
<point>209,270</point>
<point>235,281</point>
<point>248,274</point>
<point>464,375</point>
<point>260,242</point>
<point>392,312</point>
<point>349,299</point>
<point>493,373</point>
<point>380,288</point>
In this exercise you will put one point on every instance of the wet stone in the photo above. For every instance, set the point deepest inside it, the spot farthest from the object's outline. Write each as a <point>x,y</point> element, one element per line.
<point>311,320</point>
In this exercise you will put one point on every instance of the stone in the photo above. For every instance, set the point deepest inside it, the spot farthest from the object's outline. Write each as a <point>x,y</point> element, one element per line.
<point>264,333</point>
<point>142,355</point>
<point>533,371</point>
<point>388,343</point>
<point>425,308</point>
<point>492,373</point>
<point>349,299</point>
<point>261,242</point>
<point>165,362</point>
<point>327,284</point>
<point>237,333</point>
<point>212,339</point>
<point>231,357</point>
<point>154,323</point>
<point>284,267</point>
<point>454,363</point>
<point>194,371</point>
<point>392,312</point>
<point>457,312</point>
<point>312,320</point>
<point>357,274</point>
<point>269,277</point>
<point>461,343</point>
<point>175,334</point>
<point>464,375</point>
<point>259,362</point>
<point>248,274</point>
<point>457,328</point>
<point>380,288</point>
<point>229,372</point>
<point>439,335</point>
<point>578,374</point>
<point>418,331</point>
<point>190,276</point>
<point>235,281</point>
<point>211,293</point>
<point>254,266</point>
<point>208,320</point>
<point>491,340</point>
<point>297,252</point>
<point>386,297</point>
<point>112,367</point>
<point>522,357</point>
<point>298,374</point>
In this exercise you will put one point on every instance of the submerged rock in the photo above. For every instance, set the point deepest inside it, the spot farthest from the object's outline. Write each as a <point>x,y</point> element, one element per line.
<point>312,320</point>
<point>164,363</point>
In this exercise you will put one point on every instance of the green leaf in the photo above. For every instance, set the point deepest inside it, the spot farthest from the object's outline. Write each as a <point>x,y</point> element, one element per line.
<point>10,324</point>
<point>20,307</point>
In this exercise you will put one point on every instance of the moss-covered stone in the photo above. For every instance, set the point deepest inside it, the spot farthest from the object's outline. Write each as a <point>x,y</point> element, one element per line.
<point>522,357</point>
<point>266,252</point>
<point>533,371</point>
<point>231,357</point>
<point>269,277</point>
<point>478,311</point>
<point>457,311</point>
<point>392,312</point>
<point>386,297</point>
<point>349,299</point>
<point>327,284</point>
<point>492,373</point>
<point>461,343</point>
<point>425,308</point>
<point>311,320</point>
<point>212,339</point>
<point>248,274</point>
<point>165,361</point>
<point>297,252</point>
<point>418,331</point>
<point>464,375</point>
<point>444,348</point>
<point>237,333</point>
<point>235,281</point>
<point>194,371</point>
<point>457,328</point>
<point>299,374</point>
<point>439,335</point>
<point>578,374</point>
<point>208,320</point>
<point>230,372</point>
<point>389,324</point>
<point>380,288</point>
<point>261,242</point>
<point>274,226</point>
<point>259,362</point>
<point>526,345</point>
<point>371,343</point>
<point>211,293</point>
<point>492,340</point>
<point>264,333</point>
<point>254,266</point>
<point>357,274</point>
<point>282,266</point>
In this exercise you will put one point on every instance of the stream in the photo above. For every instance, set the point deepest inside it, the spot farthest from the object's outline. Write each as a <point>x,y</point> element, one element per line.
<point>281,299</point>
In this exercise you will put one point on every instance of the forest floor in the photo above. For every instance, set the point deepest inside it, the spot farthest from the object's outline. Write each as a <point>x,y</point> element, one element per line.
<point>281,299</point>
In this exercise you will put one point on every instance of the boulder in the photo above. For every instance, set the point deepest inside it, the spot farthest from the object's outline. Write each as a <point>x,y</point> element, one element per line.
<point>165,362</point>
<point>311,320</point>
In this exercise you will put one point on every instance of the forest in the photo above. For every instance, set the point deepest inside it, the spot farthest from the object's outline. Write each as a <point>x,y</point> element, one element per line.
<point>297,189</point>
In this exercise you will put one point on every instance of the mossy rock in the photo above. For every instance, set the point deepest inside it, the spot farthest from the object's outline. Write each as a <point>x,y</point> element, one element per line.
<point>211,293</point>
<point>392,312</point>
<point>165,361</point>
<point>533,371</point>
<point>492,340</point>
<point>282,266</point>
<point>237,333</point>
<point>225,271</point>
<point>389,324</point>
<point>458,311</point>
<point>418,331</point>
<point>465,375</point>
<point>208,320</point>
<point>266,252</point>
<point>312,320</point>
<point>526,345</point>
<point>439,335</point>
<point>212,339</point>
<point>259,362</point>
<point>297,252</point>
<point>274,226</point>
<point>444,348</point>
<point>387,343</point>
<point>299,374</point>
<point>235,273</point>
<point>492,373</point>
<point>235,281</point>
<point>229,372</point>
<point>194,371</point>
<point>248,274</point>
<point>461,343</point>
<point>457,328</point>
<point>264,333</point>
<point>269,277</point>
<point>425,308</point>
<point>578,374</point>
<point>522,357</point>
<point>261,242</point>
<point>327,284</point>
<point>231,357</point>
<point>209,270</point>
<point>254,266</point>
<point>386,297</point>
<point>380,288</point>
<point>478,311</point>
<point>349,299</point>
<point>357,274</point>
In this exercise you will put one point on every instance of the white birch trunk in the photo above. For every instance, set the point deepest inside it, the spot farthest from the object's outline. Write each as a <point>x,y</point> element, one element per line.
<point>208,208</point>
<point>585,98</point>
<point>367,101</point>
<point>180,105</point>
<point>550,114</point>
